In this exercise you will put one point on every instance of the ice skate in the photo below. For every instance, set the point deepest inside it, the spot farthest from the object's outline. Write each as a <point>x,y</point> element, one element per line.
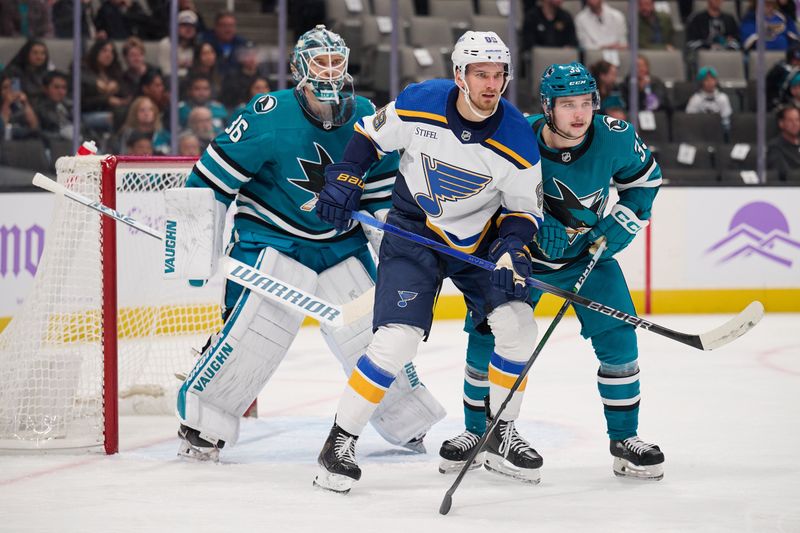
<point>454,453</point>
<point>193,446</point>
<point>416,445</point>
<point>508,454</point>
<point>634,458</point>
<point>337,461</point>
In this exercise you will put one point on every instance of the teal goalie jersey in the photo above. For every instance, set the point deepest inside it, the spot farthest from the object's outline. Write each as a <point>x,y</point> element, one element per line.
<point>576,181</point>
<point>271,160</point>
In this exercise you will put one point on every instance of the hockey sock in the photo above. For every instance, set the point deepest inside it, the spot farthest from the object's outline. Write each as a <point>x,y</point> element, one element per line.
<point>618,380</point>
<point>476,378</point>
<point>502,375</point>
<point>364,391</point>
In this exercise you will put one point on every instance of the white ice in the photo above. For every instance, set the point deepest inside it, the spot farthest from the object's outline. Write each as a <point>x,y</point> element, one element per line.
<point>728,422</point>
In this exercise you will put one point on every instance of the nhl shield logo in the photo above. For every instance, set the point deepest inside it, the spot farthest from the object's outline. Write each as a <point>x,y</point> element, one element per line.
<point>466,135</point>
<point>566,157</point>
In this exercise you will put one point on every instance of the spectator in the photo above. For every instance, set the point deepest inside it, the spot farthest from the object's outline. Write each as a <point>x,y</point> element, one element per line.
<point>29,18</point>
<point>709,99</point>
<point>236,84</point>
<point>779,76</point>
<point>189,145</point>
<point>101,86</point>
<point>30,66</point>
<point>133,52</point>
<point>53,110</point>
<point>152,85</point>
<point>143,117</point>
<point>62,19</point>
<point>187,41</point>
<point>653,94</point>
<point>188,5</point>
<point>225,41</point>
<point>119,19</point>
<point>615,109</point>
<point>547,24</point>
<point>205,64</point>
<point>19,121</point>
<point>199,94</point>
<point>780,31</point>
<point>259,85</point>
<point>139,144</point>
<point>655,29</point>
<point>712,29</point>
<point>607,76</point>
<point>201,125</point>
<point>599,26</point>
<point>792,92</point>
<point>783,152</point>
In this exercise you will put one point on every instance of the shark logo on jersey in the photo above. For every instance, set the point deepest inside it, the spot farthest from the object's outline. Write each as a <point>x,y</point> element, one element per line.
<point>405,297</point>
<point>615,124</point>
<point>578,214</point>
<point>265,104</point>
<point>314,176</point>
<point>447,183</point>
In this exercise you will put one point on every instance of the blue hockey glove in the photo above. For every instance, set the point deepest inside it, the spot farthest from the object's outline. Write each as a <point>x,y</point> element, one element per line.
<point>340,195</point>
<point>551,238</point>
<point>619,227</point>
<point>513,265</point>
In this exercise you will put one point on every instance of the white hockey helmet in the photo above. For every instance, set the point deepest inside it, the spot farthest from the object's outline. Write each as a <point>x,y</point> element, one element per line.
<point>481,47</point>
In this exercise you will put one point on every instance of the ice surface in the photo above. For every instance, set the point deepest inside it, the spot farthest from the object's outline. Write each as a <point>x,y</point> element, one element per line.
<point>728,422</point>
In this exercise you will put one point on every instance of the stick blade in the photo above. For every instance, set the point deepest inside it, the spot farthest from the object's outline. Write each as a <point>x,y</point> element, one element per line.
<point>733,328</point>
<point>447,502</point>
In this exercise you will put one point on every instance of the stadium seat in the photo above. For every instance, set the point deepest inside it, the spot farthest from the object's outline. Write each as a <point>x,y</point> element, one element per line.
<point>427,32</point>
<point>743,128</point>
<point>499,25</point>
<point>702,171</point>
<point>681,92</point>
<point>458,12</point>
<point>660,135</point>
<point>697,128</point>
<point>666,64</point>
<point>373,41</point>
<point>770,58</point>
<point>347,24</point>
<point>405,8</point>
<point>493,8</point>
<point>410,69</point>
<point>731,169</point>
<point>27,153</point>
<point>622,58</point>
<point>729,65</point>
<point>542,57</point>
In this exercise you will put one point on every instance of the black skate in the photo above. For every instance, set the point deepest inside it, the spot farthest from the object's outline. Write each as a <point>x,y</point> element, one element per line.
<point>337,461</point>
<point>634,458</point>
<point>507,453</point>
<point>195,446</point>
<point>454,453</point>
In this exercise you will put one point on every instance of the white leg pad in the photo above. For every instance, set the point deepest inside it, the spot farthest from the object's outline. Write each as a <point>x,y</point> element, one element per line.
<point>243,356</point>
<point>409,409</point>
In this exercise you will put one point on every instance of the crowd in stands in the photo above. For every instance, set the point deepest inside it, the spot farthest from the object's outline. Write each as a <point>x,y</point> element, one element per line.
<point>125,99</point>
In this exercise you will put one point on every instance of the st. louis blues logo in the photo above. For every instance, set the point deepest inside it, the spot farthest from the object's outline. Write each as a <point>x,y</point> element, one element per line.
<point>405,297</point>
<point>314,176</point>
<point>447,183</point>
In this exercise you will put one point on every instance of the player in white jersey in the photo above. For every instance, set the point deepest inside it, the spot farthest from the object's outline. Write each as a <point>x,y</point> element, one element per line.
<point>469,177</point>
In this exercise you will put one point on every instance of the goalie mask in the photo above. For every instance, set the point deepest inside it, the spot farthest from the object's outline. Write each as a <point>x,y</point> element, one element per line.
<point>570,79</point>
<point>481,47</point>
<point>319,63</point>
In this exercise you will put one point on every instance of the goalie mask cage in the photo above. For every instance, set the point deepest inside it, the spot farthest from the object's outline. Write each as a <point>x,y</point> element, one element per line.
<point>100,330</point>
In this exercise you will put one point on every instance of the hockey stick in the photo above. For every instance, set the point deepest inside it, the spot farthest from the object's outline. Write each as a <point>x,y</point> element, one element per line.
<point>720,336</point>
<point>447,501</point>
<point>245,275</point>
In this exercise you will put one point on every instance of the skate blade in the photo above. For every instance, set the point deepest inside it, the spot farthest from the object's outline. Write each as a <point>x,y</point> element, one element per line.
<point>198,455</point>
<point>626,469</point>
<point>499,465</point>
<point>333,482</point>
<point>446,466</point>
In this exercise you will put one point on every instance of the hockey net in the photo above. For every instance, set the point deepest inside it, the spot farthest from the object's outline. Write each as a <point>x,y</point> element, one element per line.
<point>100,325</point>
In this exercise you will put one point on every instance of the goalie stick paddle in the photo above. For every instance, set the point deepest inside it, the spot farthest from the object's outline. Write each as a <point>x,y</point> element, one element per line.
<point>720,336</point>
<point>245,275</point>
<point>447,501</point>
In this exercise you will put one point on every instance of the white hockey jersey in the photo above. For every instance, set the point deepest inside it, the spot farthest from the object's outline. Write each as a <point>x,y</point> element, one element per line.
<point>455,174</point>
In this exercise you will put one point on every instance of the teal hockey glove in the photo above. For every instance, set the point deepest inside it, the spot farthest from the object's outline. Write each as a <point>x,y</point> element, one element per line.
<point>619,227</point>
<point>340,195</point>
<point>513,265</point>
<point>551,239</point>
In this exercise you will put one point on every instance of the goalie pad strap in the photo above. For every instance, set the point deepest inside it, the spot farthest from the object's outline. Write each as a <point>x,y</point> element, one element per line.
<point>243,355</point>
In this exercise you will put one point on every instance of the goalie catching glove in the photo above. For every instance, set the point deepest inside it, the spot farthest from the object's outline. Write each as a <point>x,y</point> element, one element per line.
<point>513,265</point>
<point>340,195</point>
<point>619,228</point>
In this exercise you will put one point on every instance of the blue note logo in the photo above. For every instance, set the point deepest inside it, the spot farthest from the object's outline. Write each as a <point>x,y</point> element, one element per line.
<point>447,183</point>
<point>405,297</point>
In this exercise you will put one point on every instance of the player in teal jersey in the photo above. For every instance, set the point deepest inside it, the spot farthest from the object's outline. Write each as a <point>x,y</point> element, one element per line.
<point>582,152</point>
<point>270,163</point>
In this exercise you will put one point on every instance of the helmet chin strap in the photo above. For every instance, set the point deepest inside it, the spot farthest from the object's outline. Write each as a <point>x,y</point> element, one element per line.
<point>551,122</point>
<point>465,91</point>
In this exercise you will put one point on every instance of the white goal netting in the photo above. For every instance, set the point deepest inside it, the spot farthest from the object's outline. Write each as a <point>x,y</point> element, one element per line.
<point>54,353</point>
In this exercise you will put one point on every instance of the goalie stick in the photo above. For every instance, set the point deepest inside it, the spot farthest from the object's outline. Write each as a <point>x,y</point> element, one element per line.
<point>710,340</point>
<point>447,501</point>
<point>241,273</point>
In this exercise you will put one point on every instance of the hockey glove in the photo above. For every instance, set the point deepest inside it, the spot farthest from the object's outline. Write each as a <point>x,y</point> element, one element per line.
<point>340,195</point>
<point>513,265</point>
<point>551,239</point>
<point>619,227</point>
